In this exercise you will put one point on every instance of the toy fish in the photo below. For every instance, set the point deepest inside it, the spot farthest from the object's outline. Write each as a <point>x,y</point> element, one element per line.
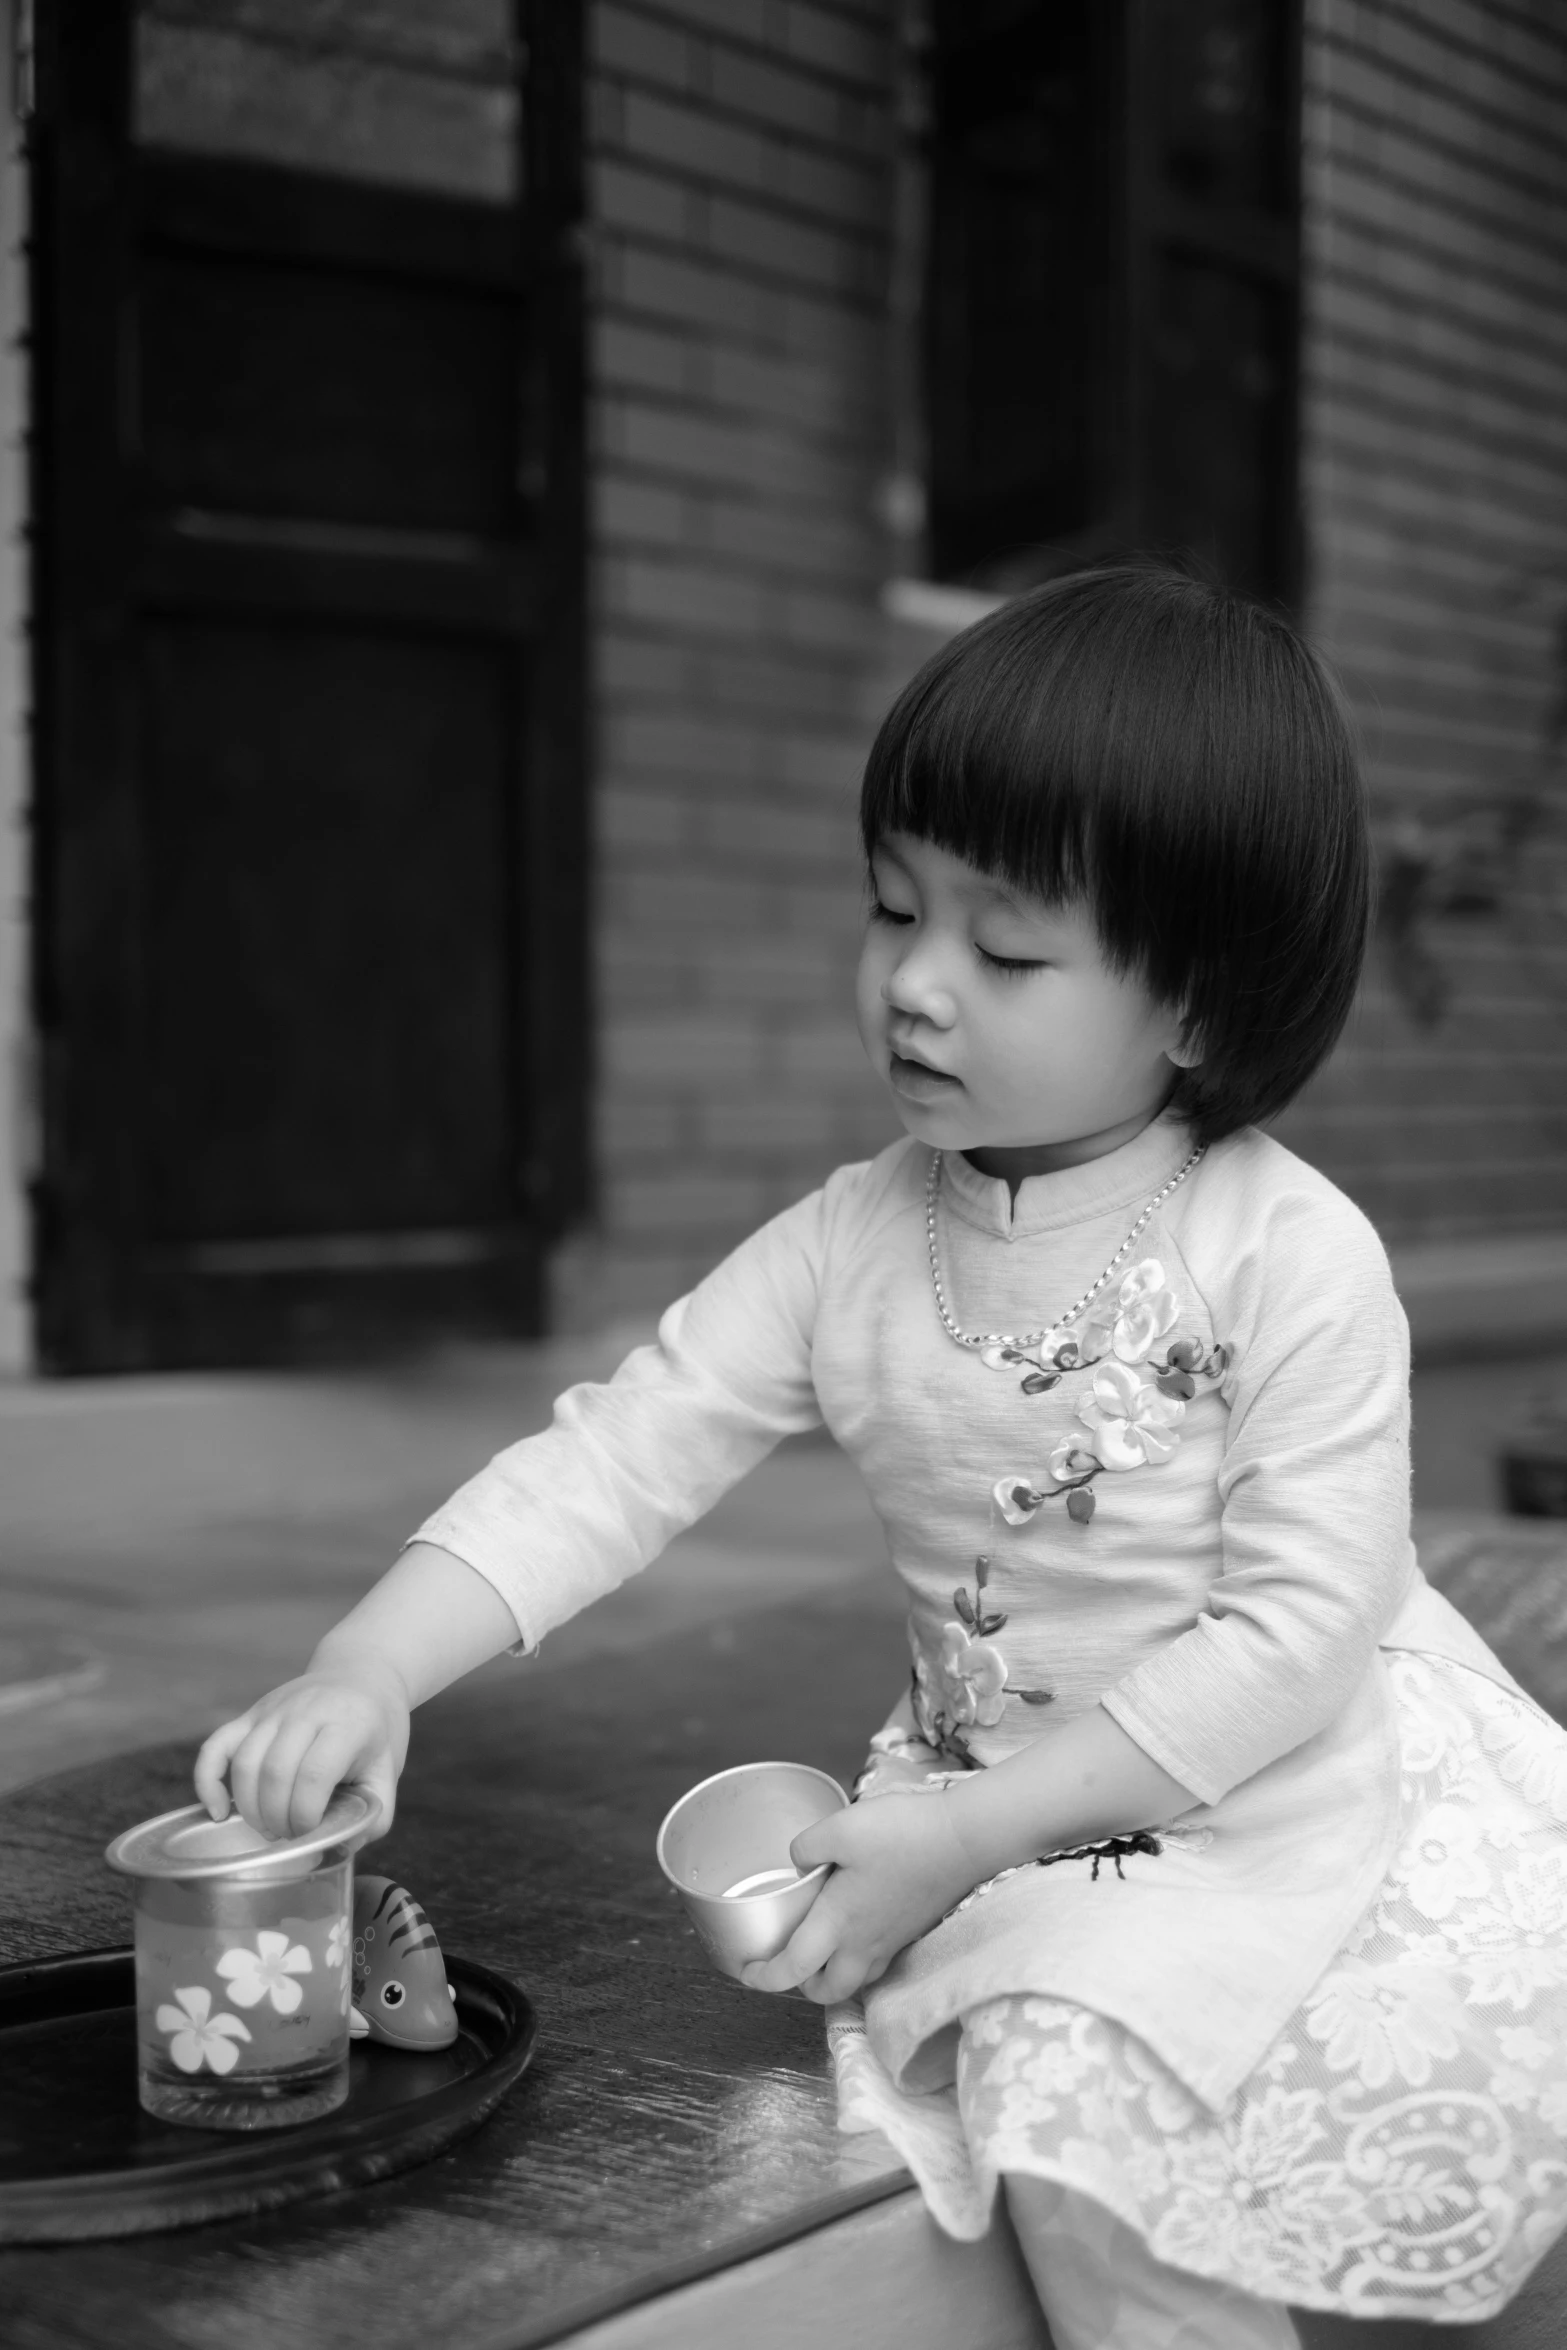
<point>401,1995</point>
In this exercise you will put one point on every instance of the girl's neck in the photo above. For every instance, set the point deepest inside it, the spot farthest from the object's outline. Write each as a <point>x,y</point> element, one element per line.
<point>1014,1163</point>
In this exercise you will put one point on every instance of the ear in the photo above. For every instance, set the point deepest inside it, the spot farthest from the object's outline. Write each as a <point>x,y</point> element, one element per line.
<point>1186,1048</point>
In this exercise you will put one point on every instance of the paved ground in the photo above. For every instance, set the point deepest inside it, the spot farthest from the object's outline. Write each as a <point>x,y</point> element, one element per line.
<point>171,1546</point>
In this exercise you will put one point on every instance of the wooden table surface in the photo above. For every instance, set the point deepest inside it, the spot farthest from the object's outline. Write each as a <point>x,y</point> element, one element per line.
<point>670,2122</point>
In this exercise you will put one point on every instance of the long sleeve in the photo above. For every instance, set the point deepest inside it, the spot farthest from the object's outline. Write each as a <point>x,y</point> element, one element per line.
<point>1314,1488</point>
<point>563,1517</point>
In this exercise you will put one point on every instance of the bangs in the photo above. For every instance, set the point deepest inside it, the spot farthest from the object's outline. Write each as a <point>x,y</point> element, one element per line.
<point>1175,759</point>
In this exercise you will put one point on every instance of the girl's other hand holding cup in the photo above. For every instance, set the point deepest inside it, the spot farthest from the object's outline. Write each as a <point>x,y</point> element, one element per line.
<point>899,1863</point>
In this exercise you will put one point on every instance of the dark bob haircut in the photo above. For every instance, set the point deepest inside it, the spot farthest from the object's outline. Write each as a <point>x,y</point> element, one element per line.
<point>1174,757</point>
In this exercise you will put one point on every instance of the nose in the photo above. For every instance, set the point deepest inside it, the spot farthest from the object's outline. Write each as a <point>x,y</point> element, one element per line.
<point>916,986</point>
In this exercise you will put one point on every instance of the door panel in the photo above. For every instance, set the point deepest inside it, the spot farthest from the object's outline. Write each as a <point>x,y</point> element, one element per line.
<point>325,844</point>
<point>279,389</point>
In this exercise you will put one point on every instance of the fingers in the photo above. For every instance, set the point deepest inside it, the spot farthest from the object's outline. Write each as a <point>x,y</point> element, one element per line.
<point>380,1780</point>
<point>316,1769</point>
<point>829,1956</point>
<point>823,1842</point>
<point>323,1766</point>
<point>261,1775</point>
<point>285,1790</point>
<point>803,1956</point>
<point>787,1972</point>
<point>844,1973</point>
<point>840,1979</point>
<point>212,1765</point>
<point>286,1756</point>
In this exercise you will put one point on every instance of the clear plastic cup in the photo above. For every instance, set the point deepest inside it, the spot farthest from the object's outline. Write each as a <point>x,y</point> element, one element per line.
<point>244,1956</point>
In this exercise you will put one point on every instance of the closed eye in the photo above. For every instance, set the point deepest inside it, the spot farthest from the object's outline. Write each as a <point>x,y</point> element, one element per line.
<point>881,913</point>
<point>1015,966</point>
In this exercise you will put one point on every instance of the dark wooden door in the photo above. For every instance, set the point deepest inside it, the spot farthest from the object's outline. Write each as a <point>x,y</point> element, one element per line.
<point>310,899</point>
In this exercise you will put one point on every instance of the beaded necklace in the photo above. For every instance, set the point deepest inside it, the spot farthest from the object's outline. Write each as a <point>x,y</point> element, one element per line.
<point>1033,1337</point>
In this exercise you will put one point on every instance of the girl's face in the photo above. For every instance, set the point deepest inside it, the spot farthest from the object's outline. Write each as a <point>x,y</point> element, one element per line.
<point>997,1023</point>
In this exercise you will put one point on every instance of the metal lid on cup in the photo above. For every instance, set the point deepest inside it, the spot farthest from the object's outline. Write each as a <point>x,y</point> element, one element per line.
<point>189,1843</point>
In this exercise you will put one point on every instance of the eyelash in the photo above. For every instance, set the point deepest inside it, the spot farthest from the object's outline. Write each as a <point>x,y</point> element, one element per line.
<point>1010,966</point>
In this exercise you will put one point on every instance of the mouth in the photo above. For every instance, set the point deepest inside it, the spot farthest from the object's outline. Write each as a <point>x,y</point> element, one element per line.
<point>917,1079</point>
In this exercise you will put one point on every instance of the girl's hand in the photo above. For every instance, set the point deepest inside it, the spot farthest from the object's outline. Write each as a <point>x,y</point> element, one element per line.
<point>899,1864</point>
<point>284,1756</point>
<point>429,1618</point>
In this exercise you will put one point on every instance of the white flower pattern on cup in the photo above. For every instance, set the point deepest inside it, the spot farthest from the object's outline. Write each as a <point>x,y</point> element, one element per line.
<point>198,2036</point>
<point>267,1972</point>
<point>337,1944</point>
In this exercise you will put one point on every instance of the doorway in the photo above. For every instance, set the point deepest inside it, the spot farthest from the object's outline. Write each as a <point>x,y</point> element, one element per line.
<point>310,865</point>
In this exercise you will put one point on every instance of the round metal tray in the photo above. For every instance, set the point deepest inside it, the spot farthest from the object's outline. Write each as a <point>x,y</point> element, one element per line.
<point>79,2158</point>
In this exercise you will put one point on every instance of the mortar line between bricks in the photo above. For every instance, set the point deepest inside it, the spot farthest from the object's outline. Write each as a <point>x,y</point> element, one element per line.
<point>761,53</point>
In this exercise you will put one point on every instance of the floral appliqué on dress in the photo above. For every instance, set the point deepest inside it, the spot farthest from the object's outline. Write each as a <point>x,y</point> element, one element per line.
<point>1132,1417</point>
<point>967,1683</point>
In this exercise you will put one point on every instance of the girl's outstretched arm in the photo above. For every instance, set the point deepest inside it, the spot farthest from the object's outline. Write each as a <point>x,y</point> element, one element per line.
<point>554,1521</point>
<point>427,1622</point>
<point>901,1861</point>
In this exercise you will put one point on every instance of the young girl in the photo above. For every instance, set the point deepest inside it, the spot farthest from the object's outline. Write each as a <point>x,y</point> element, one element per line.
<point>1226,1904</point>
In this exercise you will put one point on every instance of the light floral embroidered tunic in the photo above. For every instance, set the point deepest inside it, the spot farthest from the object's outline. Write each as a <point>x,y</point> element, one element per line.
<point>1192,1508</point>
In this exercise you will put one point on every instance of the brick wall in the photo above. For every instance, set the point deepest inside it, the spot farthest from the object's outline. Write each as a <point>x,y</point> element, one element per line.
<point>740,188</point>
<point>1436,503</point>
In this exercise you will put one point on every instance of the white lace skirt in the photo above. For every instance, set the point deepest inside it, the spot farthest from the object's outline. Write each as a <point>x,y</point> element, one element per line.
<point>1401,2151</point>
